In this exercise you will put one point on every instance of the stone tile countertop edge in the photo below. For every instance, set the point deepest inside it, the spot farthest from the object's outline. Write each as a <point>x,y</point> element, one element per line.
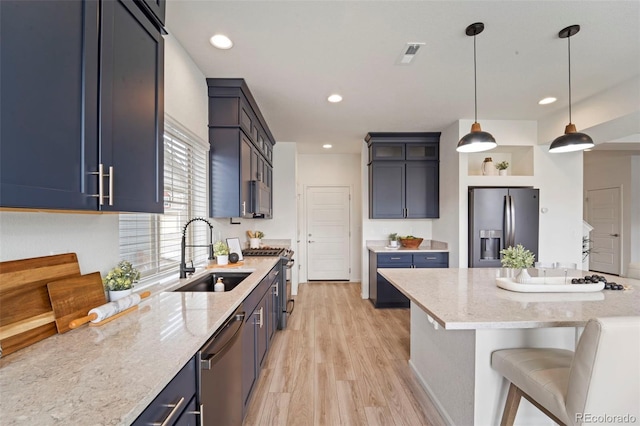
<point>469,299</point>
<point>380,246</point>
<point>108,375</point>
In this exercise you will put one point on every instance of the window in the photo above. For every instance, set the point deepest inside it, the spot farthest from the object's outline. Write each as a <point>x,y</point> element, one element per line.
<point>151,242</point>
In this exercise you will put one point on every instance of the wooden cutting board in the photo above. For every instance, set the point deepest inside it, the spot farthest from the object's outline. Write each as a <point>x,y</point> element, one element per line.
<point>26,314</point>
<point>74,297</point>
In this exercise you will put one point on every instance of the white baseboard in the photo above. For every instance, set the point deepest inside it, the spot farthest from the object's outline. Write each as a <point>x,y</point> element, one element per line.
<point>432,396</point>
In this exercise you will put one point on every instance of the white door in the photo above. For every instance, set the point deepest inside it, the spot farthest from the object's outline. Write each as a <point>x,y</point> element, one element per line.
<point>604,215</point>
<point>328,242</point>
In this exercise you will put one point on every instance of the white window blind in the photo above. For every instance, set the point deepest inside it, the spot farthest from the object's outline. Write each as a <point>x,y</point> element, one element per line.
<point>151,242</point>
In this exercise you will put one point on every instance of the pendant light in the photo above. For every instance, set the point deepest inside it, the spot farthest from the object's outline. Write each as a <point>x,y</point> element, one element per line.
<point>572,140</point>
<point>477,140</point>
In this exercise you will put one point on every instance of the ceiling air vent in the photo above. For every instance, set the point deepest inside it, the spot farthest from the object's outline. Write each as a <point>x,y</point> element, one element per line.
<point>410,52</point>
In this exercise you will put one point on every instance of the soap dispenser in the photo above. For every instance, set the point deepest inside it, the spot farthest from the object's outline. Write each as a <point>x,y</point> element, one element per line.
<point>219,285</point>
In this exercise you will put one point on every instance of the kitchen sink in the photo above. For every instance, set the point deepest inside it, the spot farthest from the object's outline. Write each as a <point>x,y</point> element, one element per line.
<point>206,282</point>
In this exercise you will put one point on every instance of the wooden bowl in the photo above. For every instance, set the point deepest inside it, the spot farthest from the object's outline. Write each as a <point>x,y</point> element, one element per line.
<point>411,242</point>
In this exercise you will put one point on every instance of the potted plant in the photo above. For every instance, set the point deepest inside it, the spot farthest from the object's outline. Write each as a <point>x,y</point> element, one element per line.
<point>518,258</point>
<point>120,280</point>
<point>393,240</point>
<point>502,167</point>
<point>221,251</point>
<point>255,238</point>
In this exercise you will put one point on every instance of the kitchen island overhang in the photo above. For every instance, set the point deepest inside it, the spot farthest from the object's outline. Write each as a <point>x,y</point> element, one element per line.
<point>459,317</point>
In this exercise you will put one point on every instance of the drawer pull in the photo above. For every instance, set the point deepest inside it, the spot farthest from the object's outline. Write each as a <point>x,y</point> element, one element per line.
<point>175,409</point>
<point>432,258</point>
<point>395,258</point>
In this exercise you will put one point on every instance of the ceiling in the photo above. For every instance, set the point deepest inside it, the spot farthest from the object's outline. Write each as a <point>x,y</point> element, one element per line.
<point>293,54</point>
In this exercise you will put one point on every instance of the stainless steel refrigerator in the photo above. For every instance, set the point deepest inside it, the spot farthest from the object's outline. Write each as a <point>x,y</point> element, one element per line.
<point>499,218</point>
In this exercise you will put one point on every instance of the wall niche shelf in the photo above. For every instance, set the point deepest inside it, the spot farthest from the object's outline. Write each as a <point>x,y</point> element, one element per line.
<point>520,160</point>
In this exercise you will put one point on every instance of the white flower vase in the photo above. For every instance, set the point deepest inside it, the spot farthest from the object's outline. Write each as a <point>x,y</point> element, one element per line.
<point>523,277</point>
<point>119,294</point>
<point>254,243</point>
<point>222,259</point>
<point>502,172</point>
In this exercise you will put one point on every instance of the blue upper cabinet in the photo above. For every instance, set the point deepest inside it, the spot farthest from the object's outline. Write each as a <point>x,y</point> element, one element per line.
<point>81,87</point>
<point>404,175</point>
<point>155,9</point>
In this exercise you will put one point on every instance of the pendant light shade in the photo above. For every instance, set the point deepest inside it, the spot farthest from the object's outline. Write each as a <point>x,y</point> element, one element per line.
<point>572,140</point>
<point>477,140</point>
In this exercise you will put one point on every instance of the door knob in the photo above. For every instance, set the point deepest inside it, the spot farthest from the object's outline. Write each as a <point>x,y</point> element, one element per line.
<point>614,235</point>
<point>311,241</point>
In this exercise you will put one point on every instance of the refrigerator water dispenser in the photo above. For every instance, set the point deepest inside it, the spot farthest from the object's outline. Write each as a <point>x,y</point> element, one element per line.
<point>490,244</point>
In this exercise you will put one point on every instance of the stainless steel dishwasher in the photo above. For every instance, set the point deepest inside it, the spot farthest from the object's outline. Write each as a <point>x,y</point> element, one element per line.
<point>221,374</point>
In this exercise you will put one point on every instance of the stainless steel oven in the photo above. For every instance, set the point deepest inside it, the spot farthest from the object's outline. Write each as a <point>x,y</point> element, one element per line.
<point>285,301</point>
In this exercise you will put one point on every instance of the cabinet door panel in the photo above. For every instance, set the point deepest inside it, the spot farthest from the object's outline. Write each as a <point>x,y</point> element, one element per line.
<point>49,78</point>
<point>249,370</point>
<point>422,189</point>
<point>431,260</point>
<point>387,181</point>
<point>157,9</point>
<point>132,103</point>
<point>182,385</point>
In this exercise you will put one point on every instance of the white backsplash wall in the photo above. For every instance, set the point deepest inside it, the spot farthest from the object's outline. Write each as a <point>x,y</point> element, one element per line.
<point>93,237</point>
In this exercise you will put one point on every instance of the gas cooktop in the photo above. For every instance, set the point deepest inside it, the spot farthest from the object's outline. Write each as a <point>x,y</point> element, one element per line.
<point>269,251</point>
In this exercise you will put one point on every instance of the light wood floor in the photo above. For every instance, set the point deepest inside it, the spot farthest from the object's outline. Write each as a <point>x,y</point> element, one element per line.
<point>340,362</point>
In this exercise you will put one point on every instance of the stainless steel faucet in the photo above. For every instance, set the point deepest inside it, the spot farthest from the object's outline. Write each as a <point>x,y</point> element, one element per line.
<point>184,269</point>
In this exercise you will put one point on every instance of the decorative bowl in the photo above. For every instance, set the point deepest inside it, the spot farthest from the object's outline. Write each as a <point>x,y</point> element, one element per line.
<point>411,242</point>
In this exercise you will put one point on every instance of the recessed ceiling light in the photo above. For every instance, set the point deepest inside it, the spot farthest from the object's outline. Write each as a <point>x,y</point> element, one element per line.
<point>334,98</point>
<point>327,146</point>
<point>221,41</point>
<point>547,101</point>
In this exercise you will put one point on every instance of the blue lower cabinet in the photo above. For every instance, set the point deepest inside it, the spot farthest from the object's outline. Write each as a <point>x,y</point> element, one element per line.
<point>189,416</point>
<point>177,399</point>
<point>382,293</point>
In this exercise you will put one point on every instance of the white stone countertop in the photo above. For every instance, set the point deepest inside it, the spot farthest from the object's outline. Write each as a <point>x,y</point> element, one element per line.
<point>464,299</point>
<point>108,375</point>
<point>426,246</point>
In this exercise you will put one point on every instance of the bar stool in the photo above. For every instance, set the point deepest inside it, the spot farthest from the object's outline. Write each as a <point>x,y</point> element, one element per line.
<point>601,379</point>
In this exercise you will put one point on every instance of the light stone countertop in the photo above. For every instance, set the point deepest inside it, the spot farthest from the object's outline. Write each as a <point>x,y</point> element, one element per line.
<point>464,299</point>
<point>380,246</point>
<point>107,375</point>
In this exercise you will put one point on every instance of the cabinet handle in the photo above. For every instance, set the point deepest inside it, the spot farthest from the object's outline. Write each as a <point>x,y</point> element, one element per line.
<point>101,184</point>
<point>244,208</point>
<point>100,195</point>
<point>431,258</point>
<point>395,258</point>
<point>110,196</point>
<point>259,313</point>
<point>175,409</point>
<point>406,212</point>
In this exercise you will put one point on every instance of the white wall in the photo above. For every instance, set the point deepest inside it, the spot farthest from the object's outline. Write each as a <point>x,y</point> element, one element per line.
<point>634,233</point>
<point>447,227</point>
<point>615,169</point>
<point>331,170</point>
<point>185,89</point>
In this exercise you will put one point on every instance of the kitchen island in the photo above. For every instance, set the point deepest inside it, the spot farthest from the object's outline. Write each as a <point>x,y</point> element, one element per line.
<point>459,317</point>
<point>108,375</point>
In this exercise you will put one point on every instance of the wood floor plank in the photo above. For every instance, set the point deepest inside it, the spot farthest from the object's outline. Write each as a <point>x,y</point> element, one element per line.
<point>350,404</point>
<point>378,416</point>
<point>326,411</point>
<point>340,362</point>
